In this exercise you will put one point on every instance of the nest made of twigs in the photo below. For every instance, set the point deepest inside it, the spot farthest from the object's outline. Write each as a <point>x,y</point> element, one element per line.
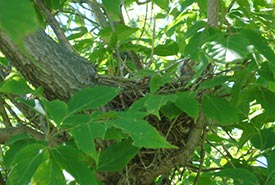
<point>174,130</point>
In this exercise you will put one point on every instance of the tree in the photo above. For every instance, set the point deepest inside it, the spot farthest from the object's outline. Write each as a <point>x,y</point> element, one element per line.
<point>95,92</point>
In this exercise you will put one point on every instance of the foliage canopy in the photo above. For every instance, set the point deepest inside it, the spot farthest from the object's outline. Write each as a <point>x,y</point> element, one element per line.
<point>137,92</point>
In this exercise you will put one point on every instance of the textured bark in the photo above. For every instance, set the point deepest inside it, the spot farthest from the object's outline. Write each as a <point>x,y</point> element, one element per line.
<point>46,63</point>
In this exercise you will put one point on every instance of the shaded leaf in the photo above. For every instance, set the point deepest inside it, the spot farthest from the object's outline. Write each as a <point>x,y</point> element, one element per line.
<point>239,174</point>
<point>187,103</point>
<point>27,161</point>
<point>18,18</point>
<point>219,109</point>
<point>116,156</point>
<point>169,48</point>
<point>264,139</point>
<point>57,110</point>
<point>73,161</point>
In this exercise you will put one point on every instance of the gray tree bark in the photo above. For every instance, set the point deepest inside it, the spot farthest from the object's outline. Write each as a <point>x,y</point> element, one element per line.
<point>45,63</point>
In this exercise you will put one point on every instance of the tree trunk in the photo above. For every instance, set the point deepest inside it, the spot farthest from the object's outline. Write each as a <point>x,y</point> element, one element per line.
<point>45,63</point>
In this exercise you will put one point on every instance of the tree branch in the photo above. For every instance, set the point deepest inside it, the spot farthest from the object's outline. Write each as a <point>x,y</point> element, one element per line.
<point>7,133</point>
<point>60,71</point>
<point>53,23</point>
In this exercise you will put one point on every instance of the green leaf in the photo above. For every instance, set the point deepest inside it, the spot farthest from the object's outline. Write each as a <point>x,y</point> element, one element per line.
<point>15,86</point>
<point>228,48</point>
<point>73,162</point>
<point>187,103</point>
<point>260,44</point>
<point>212,82</point>
<point>91,98</point>
<point>163,4</point>
<point>113,8</point>
<point>74,120</point>
<point>266,98</point>
<point>142,133</point>
<point>168,49</point>
<point>27,161</point>
<point>170,110</point>
<point>219,109</point>
<point>157,81</point>
<point>57,110</point>
<point>85,133</point>
<point>264,139</point>
<point>121,32</point>
<point>239,175</point>
<point>18,18</point>
<point>116,156</point>
<point>271,163</point>
<point>155,102</point>
<point>14,148</point>
<point>48,173</point>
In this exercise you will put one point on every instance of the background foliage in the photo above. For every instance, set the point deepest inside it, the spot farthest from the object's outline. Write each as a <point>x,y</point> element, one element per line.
<point>230,80</point>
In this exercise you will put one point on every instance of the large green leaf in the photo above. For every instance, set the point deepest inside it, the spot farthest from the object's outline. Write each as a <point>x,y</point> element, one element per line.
<point>90,98</point>
<point>142,133</point>
<point>163,4</point>
<point>157,81</point>
<point>15,86</point>
<point>187,102</point>
<point>264,139</point>
<point>84,135</point>
<point>73,162</point>
<point>18,18</point>
<point>113,8</point>
<point>57,110</point>
<point>48,173</point>
<point>27,161</point>
<point>155,102</point>
<point>219,109</point>
<point>240,175</point>
<point>260,44</point>
<point>266,98</point>
<point>167,49</point>
<point>271,164</point>
<point>116,156</point>
<point>227,48</point>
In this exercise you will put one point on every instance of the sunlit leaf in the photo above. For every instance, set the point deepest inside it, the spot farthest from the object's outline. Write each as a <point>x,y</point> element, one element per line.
<point>228,48</point>
<point>142,133</point>
<point>113,8</point>
<point>48,173</point>
<point>74,162</point>
<point>84,135</point>
<point>90,98</point>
